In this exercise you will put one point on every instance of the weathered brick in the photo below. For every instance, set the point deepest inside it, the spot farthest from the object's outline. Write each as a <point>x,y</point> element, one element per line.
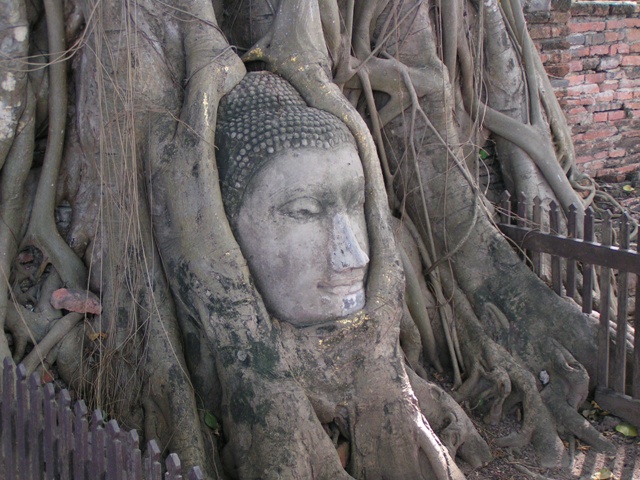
<point>579,52</point>
<point>594,78</point>
<point>609,85</point>
<point>596,133</point>
<point>560,17</point>
<point>599,50</point>
<point>617,115</point>
<point>623,94</point>
<point>561,5</point>
<point>605,97</point>
<point>589,9</point>
<point>554,44</point>
<point>558,70</point>
<point>575,79</point>
<point>619,48</point>
<point>634,47</point>
<point>576,39</point>
<point>607,63</point>
<point>633,34</point>
<point>539,31</point>
<point>590,63</point>
<point>631,60</point>
<point>595,39</point>
<point>583,89</point>
<point>617,152</point>
<point>540,16</point>
<point>575,66</point>
<point>611,37</point>
<point>600,117</point>
<point>579,27</point>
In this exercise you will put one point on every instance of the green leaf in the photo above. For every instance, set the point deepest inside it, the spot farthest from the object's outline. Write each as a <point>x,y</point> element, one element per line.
<point>602,474</point>
<point>627,430</point>
<point>211,421</point>
<point>483,154</point>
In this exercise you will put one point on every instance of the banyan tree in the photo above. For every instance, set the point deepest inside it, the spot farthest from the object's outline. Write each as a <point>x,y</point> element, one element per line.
<point>115,158</point>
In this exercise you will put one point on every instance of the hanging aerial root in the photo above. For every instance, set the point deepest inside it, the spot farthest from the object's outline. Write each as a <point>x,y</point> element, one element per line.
<point>42,231</point>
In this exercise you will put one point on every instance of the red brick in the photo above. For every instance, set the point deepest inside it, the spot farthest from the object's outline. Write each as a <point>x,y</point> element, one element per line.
<point>630,83</point>
<point>609,85</point>
<point>583,89</point>
<point>623,95</point>
<point>560,17</point>
<point>599,50</point>
<point>616,24</point>
<point>559,31</point>
<point>605,97</point>
<point>632,105</point>
<point>580,52</point>
<point>594,78</point>
<point>631,60</point>
<point>539,31</point>
<point>594,134</point>
<point>575,66</point>
<point>634,113</point>
<point>600,117</point>
<point>576,110</point>
<point>634,47</point>
<point>575,79</point>
<point>617,115</point>
<point>577,27</point>
<point>611,37</point>
<point>617,153</point>
<point>634,34</point>
<point>619,48</point>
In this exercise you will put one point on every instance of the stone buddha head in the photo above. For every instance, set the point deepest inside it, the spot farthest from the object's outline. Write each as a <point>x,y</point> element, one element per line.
<point>293,189</point>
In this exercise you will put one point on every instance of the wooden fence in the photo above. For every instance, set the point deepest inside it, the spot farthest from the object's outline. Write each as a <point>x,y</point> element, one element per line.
<point>614,392</point>
<point>42,436</point>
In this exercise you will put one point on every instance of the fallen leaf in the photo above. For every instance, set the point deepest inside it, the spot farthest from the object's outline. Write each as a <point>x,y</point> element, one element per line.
<point>95,336</point>
<point>628,188</point>
<point>211,421</point>
<point>76,301</point>
<point>627,430</point>
<point>602,474</point>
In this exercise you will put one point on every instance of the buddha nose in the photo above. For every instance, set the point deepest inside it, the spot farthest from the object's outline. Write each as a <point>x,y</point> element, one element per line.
<point>346,252</point>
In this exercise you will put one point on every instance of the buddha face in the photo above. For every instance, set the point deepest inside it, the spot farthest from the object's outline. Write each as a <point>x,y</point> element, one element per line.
<point>301,227</point>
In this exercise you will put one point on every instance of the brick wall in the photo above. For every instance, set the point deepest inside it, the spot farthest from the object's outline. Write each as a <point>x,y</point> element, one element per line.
<point>591,50</point>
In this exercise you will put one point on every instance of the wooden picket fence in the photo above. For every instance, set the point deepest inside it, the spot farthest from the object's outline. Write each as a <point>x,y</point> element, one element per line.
<point>44,437</point>
<point>614,391</point>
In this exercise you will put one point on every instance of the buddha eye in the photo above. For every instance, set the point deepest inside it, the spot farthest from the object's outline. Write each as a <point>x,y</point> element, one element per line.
<point>304,208</point>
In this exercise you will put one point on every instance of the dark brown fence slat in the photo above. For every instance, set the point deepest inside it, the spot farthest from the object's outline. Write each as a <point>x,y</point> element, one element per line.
<point>35,427</point>
<point>135,456</point>
<point>536,257</point>
<point>587,267</point>
<point>620,405</point>
<point>521,210</point>
<point>98,445</point>
<point>605,289</point>
<point>81,440</point>
<point>635,387</point>
<point>195,474</point>
<point>22,421</point>
<point>572,229</point>
<point>556,261</point>
<point>65,425</point>
<point>8,419</point>
<point>174,469</point>
<point>50,432</point>
<point>620,353</point>
<point>152,465</point>
<point>115,461</point>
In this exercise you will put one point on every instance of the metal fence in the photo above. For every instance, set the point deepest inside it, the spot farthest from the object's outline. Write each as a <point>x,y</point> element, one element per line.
<point>44,437</point>
<point>575,252</point>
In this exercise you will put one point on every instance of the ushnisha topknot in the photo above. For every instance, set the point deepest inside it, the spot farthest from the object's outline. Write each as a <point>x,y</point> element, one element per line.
<point>262,116</point>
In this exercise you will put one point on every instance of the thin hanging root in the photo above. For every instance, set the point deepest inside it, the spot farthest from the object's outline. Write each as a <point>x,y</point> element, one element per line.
<point>42,232</point>
<point>418,311</point>
<point>444,310</point>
